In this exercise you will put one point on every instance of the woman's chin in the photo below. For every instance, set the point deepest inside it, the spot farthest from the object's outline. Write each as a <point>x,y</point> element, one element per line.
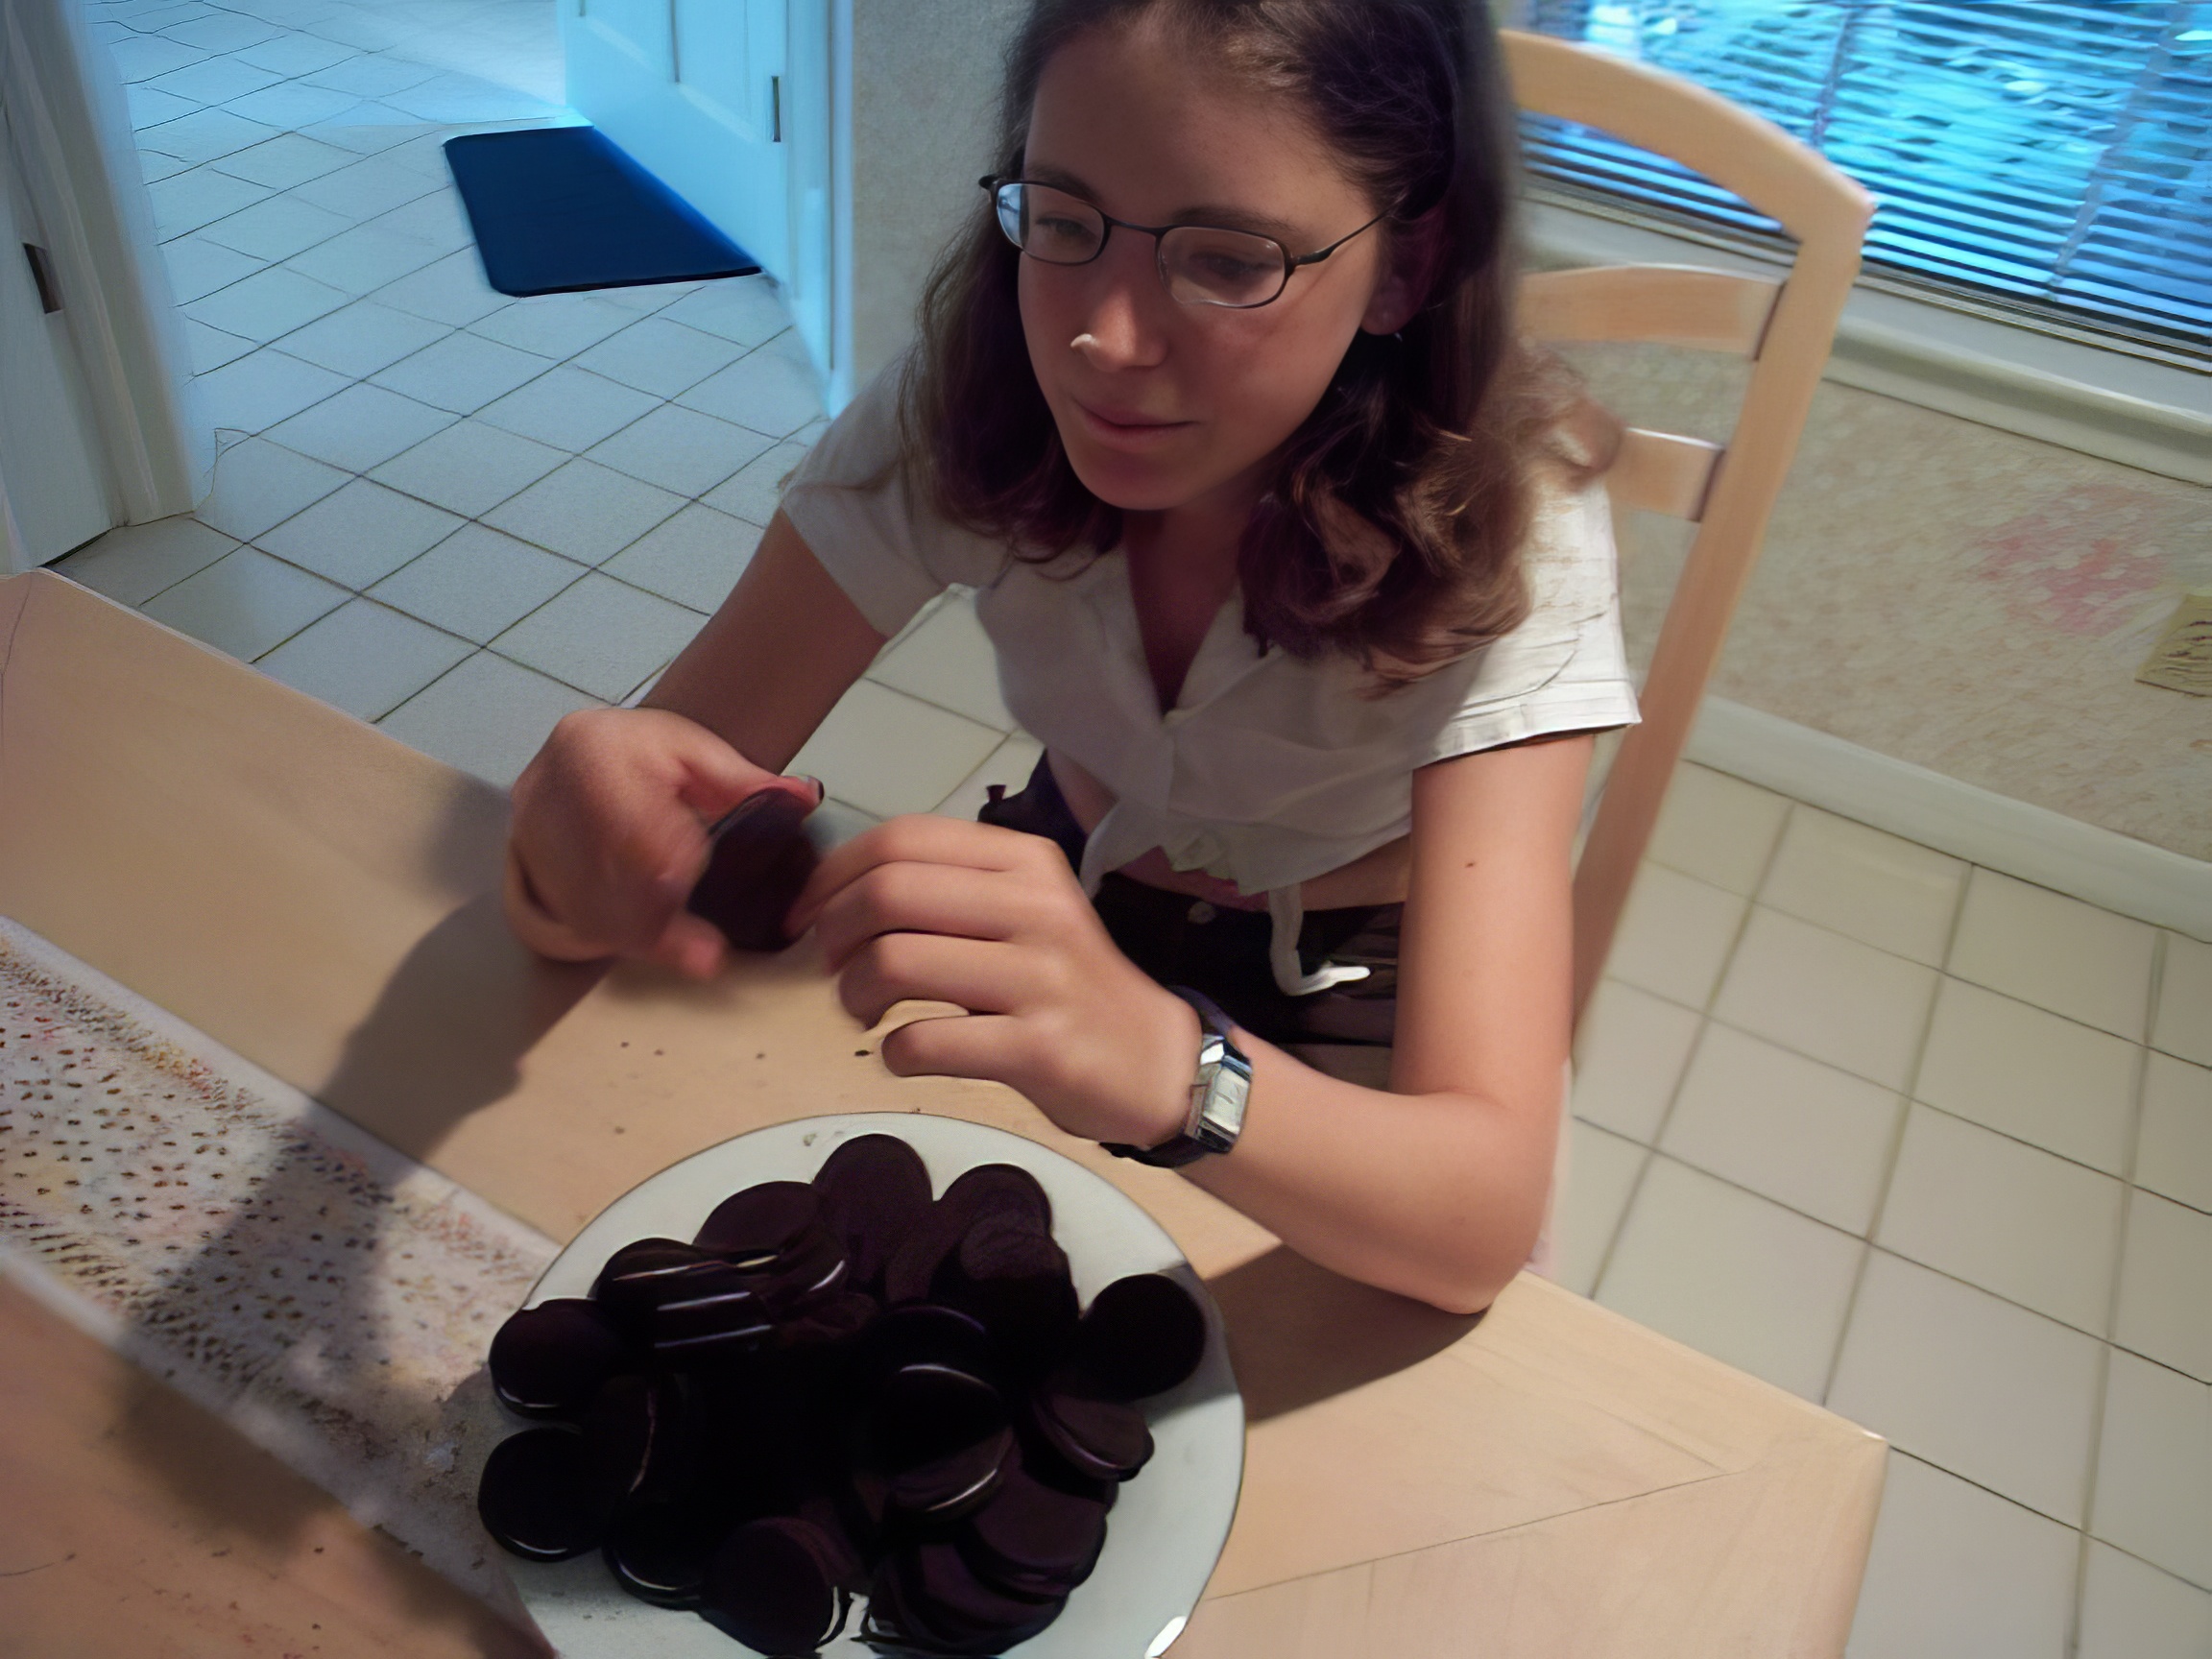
<point>1130,485</point>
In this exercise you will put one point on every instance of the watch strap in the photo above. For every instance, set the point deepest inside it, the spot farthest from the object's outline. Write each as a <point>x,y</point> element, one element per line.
<point>1203,1132</point>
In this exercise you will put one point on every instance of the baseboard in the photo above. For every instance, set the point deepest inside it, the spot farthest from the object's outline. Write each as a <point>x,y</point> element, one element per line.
<point>2034,843</point>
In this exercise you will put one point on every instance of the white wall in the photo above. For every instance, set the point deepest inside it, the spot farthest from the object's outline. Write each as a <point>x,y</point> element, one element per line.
<point>925,104</point>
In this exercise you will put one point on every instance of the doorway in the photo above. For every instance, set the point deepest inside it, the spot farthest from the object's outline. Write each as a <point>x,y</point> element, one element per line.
<point>727,102</point>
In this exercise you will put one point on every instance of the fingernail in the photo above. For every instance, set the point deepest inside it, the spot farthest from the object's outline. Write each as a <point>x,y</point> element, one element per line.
<point>821,790</point>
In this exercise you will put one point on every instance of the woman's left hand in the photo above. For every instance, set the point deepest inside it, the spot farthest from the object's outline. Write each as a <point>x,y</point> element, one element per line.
<point>994,920</point>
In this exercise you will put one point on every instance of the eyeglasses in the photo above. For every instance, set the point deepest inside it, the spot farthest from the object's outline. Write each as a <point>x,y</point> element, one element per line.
<point>1199,264</point>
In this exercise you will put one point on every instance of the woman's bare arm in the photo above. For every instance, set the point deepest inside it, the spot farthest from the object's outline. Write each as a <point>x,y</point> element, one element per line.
<point>611,816</point>
<point>776,655</point>
<point>1436,1189</point>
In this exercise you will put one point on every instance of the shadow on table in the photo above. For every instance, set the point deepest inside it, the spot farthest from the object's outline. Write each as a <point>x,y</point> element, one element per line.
<point>1299,1334</point>
<point>278,1309</point>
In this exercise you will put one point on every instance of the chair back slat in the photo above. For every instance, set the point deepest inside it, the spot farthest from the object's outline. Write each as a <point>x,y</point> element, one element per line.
<point>1729,494</point>
<point>1742,152</point>
<point>1667,304</point>
<point>1662,472</point>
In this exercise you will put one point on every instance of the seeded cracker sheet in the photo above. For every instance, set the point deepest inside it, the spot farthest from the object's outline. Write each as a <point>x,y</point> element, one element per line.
<point>322,1293</point>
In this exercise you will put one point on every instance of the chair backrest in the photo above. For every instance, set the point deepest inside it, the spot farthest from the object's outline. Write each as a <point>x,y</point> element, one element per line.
<point>1784,325</point>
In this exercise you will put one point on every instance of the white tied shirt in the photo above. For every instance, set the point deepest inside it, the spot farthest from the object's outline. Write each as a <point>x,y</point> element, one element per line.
<point>1270,770</point>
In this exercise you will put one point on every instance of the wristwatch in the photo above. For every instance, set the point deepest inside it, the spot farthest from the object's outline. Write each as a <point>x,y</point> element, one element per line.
<point>1218,1095</point>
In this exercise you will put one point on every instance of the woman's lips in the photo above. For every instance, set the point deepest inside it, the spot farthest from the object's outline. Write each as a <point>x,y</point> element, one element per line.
<point>1125,429</point>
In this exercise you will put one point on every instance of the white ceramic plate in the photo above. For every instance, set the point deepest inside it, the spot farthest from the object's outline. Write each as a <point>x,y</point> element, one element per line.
<point>1170,1523</point>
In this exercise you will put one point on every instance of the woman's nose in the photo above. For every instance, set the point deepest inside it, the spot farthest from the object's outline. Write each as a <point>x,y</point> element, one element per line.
<point>1121,326</point>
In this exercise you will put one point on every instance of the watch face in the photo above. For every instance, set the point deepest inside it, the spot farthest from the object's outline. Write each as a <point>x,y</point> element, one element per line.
<point>1222,1118</point>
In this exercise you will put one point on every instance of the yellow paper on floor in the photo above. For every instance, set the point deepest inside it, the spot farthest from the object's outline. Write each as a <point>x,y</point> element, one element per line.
<point>2182,659</point>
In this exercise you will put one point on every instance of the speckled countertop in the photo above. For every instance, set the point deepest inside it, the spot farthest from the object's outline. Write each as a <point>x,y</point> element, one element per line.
<point>319,1290</point>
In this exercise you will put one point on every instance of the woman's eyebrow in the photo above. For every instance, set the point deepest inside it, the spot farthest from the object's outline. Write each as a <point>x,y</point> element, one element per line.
<point>1239,219</point>
<point>1204,213</point>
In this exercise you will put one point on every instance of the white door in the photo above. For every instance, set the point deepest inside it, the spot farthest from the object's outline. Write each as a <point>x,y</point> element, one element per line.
<point>702,93</point>
<point>51,475</point>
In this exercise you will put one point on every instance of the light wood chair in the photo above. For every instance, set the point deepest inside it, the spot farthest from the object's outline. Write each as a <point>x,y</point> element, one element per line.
<point>1784,325</point>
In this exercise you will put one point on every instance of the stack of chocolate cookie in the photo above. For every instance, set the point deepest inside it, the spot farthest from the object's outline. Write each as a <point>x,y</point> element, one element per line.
<point>840,1386</point>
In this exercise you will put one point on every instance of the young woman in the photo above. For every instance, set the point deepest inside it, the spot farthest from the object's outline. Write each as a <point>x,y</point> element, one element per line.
<point>1289,561</point>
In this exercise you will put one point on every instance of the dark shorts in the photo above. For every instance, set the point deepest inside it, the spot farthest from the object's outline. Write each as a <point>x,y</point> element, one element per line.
<point>1182,941</point>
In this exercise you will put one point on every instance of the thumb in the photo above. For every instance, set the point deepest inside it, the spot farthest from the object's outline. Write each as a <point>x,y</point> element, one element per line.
<point>713,776</point>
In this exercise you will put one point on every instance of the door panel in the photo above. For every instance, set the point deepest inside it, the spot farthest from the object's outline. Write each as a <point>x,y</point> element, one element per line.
<point>638,29</point>
<point>685,87</point>
<point>728,58</point>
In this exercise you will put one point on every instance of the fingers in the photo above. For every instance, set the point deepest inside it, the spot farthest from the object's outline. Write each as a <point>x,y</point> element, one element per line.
<point>954,1046</point>
<point>610,835</point>
<point>534,924</point>
<point>980,975</point>
<point>903,898</point>
<point>691,944</point>
<point>918,838</point>
<point>713,776</point>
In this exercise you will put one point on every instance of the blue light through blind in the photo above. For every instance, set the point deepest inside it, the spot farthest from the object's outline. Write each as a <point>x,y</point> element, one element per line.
<point>2052,154</point>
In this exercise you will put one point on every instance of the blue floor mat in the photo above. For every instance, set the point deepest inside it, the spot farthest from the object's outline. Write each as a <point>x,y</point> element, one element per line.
<point>560,208</point>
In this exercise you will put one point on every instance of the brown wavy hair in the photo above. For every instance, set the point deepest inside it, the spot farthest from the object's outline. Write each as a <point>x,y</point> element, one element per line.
<point>1391,528</point>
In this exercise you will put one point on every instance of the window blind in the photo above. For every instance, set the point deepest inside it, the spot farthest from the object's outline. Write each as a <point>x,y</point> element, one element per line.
<point>2055,156</point>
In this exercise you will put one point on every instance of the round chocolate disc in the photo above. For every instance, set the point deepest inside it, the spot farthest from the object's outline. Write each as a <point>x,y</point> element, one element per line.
<point>1001,1186</point>
<point>911,1273</point>
<point>709,1312</point>
<point>659,1552</point>
<point>761,1222</point>
<point>759,858</point>
<point>773,1585</point>
<point>926,1333</point>
<point>539,1498</point>
<point>1102,1437</point>
<point>838,1317</point>
<point>549,1360</point>
<point>938,1437</point>
<point>644,1436</point>
<point>1031,1533</point>
<point>1013,1279</point>
<point>953,1610</point>
<point>874,1189</point>
<point>640,1276</point>
<point>1142,1334</point>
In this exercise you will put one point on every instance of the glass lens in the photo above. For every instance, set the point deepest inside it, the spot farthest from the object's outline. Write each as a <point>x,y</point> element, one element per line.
<point>1207,267</point>
<point>1050,225</point>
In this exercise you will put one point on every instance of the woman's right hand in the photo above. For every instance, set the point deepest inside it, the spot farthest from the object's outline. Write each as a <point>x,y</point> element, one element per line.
<point>610,837</point>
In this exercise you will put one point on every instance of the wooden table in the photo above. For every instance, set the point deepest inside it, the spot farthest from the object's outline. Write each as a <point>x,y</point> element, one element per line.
<point>1550,1478</point>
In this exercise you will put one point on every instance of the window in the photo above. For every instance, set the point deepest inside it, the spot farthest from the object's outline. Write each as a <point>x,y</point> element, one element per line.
<point>2053,156</point>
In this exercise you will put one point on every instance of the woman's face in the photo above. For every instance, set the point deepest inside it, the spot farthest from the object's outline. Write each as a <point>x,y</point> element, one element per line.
<point>1161,405</point>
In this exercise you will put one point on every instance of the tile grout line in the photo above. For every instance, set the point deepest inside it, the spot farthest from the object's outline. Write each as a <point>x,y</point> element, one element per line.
<point>2101,1387</point>
<point>1910,1096</point>
<point>1004,732</point>
<point>2040,1514</point>
<point>1912,1099</point>
<point>1896,1147</point>
<point>1704,1024</point>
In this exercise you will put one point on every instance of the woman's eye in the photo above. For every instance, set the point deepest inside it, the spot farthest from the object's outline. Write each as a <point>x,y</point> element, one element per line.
<point>1067,232</point>
<point>1226,268</point>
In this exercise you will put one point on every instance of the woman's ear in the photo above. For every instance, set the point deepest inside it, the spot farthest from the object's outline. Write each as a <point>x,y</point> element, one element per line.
<point>1416,254</point>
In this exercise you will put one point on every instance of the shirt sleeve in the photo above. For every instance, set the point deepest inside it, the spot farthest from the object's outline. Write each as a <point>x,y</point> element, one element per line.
<point>852,503</point>
<point>1566,667</point>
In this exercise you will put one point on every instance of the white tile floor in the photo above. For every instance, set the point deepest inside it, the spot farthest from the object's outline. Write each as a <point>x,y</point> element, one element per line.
<point>1899,1133</point>
<point>1935,1158</point>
